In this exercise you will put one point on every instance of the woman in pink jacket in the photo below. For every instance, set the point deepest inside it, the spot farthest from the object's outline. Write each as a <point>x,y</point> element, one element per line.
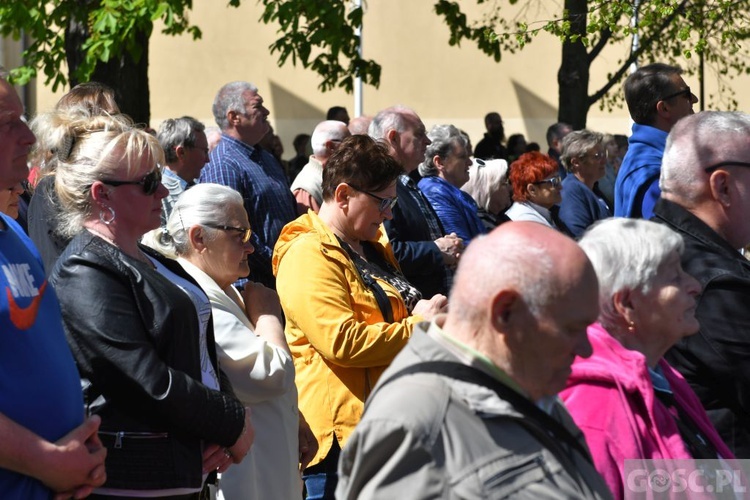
<point>626,398</point>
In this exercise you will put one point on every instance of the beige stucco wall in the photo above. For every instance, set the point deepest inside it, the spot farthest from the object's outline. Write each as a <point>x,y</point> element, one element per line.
<point>443,84</point>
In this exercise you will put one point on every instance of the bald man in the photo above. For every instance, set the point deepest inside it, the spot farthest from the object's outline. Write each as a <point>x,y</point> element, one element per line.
<point>427,255</point>
<point>308,184</point>
<point>469,408</point>
<point>705,196</point>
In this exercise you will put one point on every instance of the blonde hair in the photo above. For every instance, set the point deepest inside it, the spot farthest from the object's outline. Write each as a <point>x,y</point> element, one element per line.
<point>93,148</point>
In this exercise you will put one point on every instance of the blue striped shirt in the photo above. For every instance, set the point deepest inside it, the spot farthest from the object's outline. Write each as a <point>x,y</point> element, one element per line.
<point>269,202</point>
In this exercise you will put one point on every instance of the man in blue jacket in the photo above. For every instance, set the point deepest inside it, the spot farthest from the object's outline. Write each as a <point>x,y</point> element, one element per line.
<point>657,98</point>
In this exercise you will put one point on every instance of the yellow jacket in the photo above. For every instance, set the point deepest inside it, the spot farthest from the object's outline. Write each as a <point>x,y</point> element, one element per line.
<point>336,332</point>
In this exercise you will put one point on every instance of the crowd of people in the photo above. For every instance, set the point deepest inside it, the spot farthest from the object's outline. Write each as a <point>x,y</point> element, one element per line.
<point>395,315</point>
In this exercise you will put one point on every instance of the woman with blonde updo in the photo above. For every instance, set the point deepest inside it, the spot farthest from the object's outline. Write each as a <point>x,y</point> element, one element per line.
<point>85,99</point>
<point>139,327</point>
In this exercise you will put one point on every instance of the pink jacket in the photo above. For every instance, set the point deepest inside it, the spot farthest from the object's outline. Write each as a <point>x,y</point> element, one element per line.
<point>611,398</point>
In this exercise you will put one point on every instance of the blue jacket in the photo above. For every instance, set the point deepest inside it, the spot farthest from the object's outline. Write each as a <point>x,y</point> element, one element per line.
<point>637,184</point>
<point>457,210</point>
<point>580,207</point>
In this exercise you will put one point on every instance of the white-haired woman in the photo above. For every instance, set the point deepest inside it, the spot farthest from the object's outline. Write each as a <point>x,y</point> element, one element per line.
<point>585,159</point>
<point>138,326</point>
<point>489,186</point>
<point>627,400</point>
<point>209,234</point>
<point>444,170</point>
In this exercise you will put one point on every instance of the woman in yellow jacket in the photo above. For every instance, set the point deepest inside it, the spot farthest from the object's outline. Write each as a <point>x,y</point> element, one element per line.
<point>348,308</point>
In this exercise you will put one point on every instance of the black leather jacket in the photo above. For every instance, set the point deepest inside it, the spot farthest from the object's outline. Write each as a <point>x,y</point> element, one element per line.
<point>134,336</point>
<point>714,361</point>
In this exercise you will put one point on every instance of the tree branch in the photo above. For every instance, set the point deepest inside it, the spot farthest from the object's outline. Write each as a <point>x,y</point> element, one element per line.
<point>645,44</point>
<point>596,49</point>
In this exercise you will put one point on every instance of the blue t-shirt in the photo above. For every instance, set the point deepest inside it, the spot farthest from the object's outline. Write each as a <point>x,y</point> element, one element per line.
<point>39,384</point>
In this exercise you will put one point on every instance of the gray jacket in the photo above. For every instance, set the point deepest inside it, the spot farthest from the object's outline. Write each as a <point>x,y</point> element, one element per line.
<point>425,436</point>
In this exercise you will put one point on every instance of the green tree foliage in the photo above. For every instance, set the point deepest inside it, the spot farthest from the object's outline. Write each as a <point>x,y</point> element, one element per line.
<point>706,32</point>
<point>105,40</point>
<point>321,35</point>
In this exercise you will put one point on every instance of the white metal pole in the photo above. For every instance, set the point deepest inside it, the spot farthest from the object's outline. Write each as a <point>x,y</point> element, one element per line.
<point>358,80</point>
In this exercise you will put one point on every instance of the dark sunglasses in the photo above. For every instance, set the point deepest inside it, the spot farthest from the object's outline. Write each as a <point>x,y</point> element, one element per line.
<point>150,182</point>
<point>727,164</point>
<point>686,92</point>
<point>385,203</point>
<point>245,232</point>
<point>554,182</point>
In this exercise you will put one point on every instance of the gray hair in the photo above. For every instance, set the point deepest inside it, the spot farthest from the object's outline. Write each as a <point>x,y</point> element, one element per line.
<point>178,132</point>
<point>444,140</point>
<point>693,144</point>
<point>328,130</point>
<point>626,255</point>
<point>201,204</point>
<point>229,98</point>
<point>388,119</point>
<point>484,179</point>
<point>95,148</point>
<point>577,144</point>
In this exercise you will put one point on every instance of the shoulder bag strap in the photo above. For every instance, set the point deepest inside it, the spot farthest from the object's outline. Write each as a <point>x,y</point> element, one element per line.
<point>522,404</point>
<point>382,299</point>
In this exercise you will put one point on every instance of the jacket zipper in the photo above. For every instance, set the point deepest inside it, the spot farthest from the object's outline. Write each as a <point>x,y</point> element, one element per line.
<point>119,435</point>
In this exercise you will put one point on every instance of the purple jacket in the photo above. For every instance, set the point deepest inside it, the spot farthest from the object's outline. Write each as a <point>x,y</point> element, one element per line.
<point>611,398</point>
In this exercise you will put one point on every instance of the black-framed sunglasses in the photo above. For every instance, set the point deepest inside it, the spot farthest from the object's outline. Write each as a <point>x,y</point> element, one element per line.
<point>246,232</point>
<point>727,163</point>
<point>554,181</point>
<point>686,92</point>
<point>385,203</point>
<point>149,183</point>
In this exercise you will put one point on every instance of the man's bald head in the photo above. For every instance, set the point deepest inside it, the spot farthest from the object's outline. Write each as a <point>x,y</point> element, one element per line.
<point>525,256</point>
<point>403,132</point>
<point>326,137</point>
<point>524,295</point>
<point>15,138</point>
<point>717,141</point>
<point>696,142</point>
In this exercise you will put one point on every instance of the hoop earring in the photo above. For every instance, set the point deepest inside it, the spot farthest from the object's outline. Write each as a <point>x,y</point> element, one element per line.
<point>112,215</point>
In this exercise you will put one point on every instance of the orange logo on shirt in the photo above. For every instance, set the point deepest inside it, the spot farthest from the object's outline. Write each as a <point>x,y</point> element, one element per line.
<point>24,317</point>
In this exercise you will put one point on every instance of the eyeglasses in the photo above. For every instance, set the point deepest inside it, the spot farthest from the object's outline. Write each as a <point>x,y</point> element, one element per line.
<point>150,182</point>
<point>554,181</point>
<point>727,164</point>
<point>245,232</point>
<point>596,156</point>
<point>385,203</point>
<point>686,92</point>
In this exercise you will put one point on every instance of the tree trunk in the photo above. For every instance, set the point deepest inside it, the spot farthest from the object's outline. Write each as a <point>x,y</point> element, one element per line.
<point>128,77</point>
<point>573,75</point>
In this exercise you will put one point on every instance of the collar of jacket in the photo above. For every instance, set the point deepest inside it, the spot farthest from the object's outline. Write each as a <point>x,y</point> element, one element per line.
<point>311,224</point>
<point>683,221</point>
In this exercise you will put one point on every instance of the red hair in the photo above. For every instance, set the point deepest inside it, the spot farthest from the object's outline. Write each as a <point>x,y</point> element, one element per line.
<point>527,169</point>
